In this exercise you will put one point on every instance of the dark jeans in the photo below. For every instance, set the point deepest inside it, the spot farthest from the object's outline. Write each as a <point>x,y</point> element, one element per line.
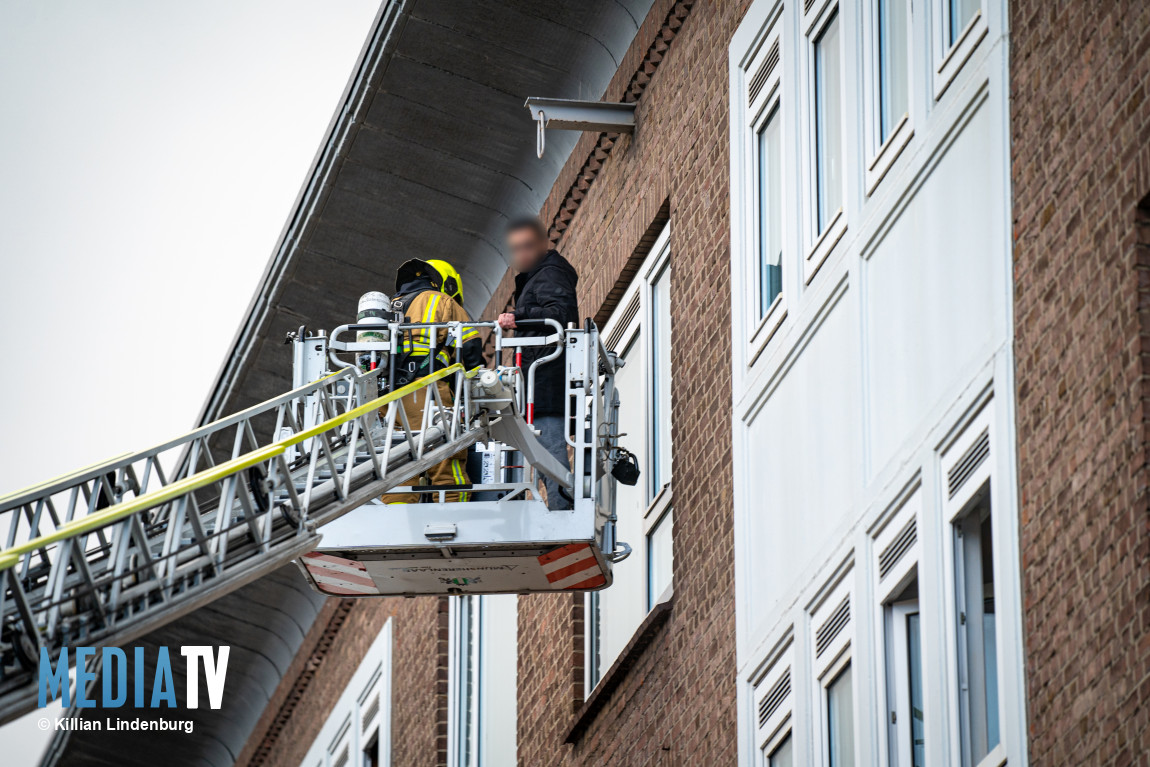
<point>553,437</point>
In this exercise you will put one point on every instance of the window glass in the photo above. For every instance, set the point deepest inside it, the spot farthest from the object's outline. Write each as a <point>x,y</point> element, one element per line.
<point>371,753</point>
<point>783,755</point>
<point>893,80</point>
<point>466,659</point>
<point>660,563</point>
<point>978,661</point>
<point>961,12</point>
<point>660,381</point>
<point>840,720</point>
<point>770,150</point>
<point>917,730</point>
<point>828,123</point>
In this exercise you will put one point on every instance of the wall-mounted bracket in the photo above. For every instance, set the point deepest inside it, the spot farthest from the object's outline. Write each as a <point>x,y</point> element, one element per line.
<point>569,114</point>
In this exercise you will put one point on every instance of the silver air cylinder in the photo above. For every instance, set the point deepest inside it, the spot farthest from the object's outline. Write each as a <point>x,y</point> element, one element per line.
<point>374,309</point>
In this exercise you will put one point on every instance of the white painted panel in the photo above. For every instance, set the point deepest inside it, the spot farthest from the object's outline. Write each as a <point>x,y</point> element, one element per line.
<point>929,298</point>
<point>805,461</point>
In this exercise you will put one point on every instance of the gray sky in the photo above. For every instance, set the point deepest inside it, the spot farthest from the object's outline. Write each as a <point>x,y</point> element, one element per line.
<point>150,152</point>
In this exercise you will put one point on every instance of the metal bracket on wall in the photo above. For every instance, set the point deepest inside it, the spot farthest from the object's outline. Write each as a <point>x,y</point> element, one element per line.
<point>569,114</point>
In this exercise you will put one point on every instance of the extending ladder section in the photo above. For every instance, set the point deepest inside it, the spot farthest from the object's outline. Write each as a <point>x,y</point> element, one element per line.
<point>108,553</point>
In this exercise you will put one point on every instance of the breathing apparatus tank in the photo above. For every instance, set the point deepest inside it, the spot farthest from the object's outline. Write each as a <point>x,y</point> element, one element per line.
<point>374,309</point>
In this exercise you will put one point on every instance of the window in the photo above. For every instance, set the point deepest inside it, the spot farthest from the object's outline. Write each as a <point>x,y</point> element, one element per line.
<point>660,558</point>
<point>773,707</point>
<point>640,331</point>
<point>360,721</point>
<point>906,723</point>
<point>828,124</point>
<point>770,148</point>
<point>824,146</point>
<point>959,14</point>
<point>888,89</point>
<point>977,633</point>
<point>897,551</point>
<point>464,675</point>
<point>783,754</point>
<point>482,680</point>
<point>893,65</point>
<point>841,720</point>
<point>371,753</point>
<point>660,385</point>
<point>959,26</point>
<point>832,642</point>
<point>758,189</point>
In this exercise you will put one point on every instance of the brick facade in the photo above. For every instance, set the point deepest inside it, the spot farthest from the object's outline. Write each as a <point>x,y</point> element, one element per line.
<point>1080,122</point>
<point>326,664</point>
<point>672,701</point>
<point>675,701</point>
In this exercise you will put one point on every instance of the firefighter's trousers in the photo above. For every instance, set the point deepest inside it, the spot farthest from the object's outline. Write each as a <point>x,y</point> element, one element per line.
<point>453,471</point>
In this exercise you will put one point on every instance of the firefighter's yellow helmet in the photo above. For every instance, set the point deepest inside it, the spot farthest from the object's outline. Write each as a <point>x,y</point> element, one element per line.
<point>438,272</point>
<point>452,283</point>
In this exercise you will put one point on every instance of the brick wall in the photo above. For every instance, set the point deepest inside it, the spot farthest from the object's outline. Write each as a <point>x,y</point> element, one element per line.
<point>321,673</point>
<point>676,702</point>
<point>1080,121</point>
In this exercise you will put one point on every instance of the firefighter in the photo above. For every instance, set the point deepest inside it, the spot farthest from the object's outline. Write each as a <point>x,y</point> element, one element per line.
<point>432,291</point>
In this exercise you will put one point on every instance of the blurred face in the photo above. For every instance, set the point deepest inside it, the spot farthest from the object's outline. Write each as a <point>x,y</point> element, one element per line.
<point>526,248</point>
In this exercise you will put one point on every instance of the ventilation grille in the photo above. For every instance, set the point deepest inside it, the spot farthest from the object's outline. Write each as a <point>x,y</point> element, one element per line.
<point>761,77</point>
<point>833,626</point>
<point>807,5</point>
<point>344,757</point>
<point>774,698</point>
<point>372,710</point>
<point>974,457</point>
<point>895,550</point>
<point>626,316</point>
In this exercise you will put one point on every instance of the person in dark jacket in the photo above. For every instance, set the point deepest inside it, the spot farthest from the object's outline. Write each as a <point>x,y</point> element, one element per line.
<point>544,289</point>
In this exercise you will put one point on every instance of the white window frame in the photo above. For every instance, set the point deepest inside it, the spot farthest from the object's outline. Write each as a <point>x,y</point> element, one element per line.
<point>955,507</point>
<point>458,610</point>
<point>836,655</point>
<point>831,676</point>
<point>949,59</point>
<point>897,659</point>
<point>760,62</point>
<point>630,323</point>
<point>815,18</point>
<point>773,698</point>
<point>356,718</point>
<point>896,546</point>
<point>881,152</point>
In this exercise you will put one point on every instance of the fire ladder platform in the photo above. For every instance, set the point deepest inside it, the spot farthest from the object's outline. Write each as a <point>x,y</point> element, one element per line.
<point>109,553</point>
<point>516,546</point>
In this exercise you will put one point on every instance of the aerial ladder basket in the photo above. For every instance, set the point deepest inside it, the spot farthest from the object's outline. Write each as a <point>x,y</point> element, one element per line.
<point>108,553</point>
<point>504,539</point>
